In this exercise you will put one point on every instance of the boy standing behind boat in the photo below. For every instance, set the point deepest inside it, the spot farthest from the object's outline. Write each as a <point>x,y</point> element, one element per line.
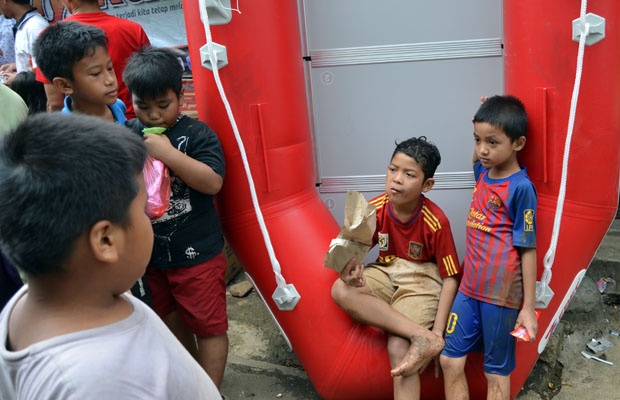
<point>498,289</point>
<point>409,290</point>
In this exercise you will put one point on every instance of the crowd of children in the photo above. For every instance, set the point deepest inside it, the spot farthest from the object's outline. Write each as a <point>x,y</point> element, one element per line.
<point>81,237</point>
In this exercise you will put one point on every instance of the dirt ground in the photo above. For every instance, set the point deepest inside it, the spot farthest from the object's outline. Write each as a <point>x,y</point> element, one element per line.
<point>575,376</point>
<point>262,367</point>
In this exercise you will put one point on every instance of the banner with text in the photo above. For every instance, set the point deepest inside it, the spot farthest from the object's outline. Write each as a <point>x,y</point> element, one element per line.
<point>162,20</point>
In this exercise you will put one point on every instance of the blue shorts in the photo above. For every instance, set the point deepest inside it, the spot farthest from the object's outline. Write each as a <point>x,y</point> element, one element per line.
<point>476,326</point>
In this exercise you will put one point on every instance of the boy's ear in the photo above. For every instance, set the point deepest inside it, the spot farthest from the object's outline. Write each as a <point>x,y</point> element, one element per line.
<point>519,144</point>
<point>104,239</point>
<point>64,85</point>
<point>181,95</point>
<point>428,185</point>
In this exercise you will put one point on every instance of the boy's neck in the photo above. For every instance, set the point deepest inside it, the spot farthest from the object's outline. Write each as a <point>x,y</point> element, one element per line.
<point>404,212</point>
<point>20,11</point>
<point>97,110</point>
<point>52,308</point>
<point>83,8</point>
<point>505,170</point>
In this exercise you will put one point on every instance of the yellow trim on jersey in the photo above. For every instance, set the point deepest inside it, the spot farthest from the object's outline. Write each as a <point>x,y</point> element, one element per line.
<point>379,202</point>
<point>431,220</point>
<point>448,263</point>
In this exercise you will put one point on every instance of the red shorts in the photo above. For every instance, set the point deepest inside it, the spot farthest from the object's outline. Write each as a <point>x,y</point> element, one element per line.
<point>198,293</point>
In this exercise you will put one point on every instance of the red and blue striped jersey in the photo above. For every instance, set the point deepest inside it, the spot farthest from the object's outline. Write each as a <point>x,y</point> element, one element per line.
<point>502,217</point>
<point>425,237</point>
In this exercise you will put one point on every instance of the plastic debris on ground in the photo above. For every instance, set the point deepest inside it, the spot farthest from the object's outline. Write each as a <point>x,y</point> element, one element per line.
<point>604,282</point>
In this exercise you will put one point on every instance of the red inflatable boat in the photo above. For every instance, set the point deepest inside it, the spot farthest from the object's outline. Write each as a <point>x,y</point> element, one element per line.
<point>267,96</point>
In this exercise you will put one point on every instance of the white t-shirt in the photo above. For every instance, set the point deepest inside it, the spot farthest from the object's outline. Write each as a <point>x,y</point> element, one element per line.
<point>28,31</point>
<point>135,358</point>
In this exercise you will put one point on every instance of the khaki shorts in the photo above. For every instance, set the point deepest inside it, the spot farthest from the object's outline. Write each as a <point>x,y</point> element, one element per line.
<point>411,288</point>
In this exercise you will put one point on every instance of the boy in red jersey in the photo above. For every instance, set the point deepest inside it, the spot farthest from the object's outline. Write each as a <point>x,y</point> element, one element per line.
<point>499,268</point>
<point>409,290</point>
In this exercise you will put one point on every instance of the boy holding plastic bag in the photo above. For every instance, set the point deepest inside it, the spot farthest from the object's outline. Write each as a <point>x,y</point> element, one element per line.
<point>186,273</point>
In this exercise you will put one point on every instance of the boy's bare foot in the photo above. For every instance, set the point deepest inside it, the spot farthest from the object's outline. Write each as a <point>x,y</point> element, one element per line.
<point>422,350</point>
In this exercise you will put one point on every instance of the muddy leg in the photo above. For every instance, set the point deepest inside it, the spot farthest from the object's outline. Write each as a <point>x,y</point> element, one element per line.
<point>422,350</point>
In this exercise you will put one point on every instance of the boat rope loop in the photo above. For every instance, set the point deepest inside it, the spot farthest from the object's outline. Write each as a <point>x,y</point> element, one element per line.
<point>285,296</point>
<point>550,255</point>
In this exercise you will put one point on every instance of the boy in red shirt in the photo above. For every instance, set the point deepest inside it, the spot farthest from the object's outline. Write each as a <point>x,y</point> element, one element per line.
<point>409,290</point>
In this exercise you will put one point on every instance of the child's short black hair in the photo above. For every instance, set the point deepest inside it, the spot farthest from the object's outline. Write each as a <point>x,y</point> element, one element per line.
<point>32,91</point>
<point>59,47</point>
<point>506,113</point>
<point>424,152</point>
<point>59,175</point>
<point>152,71</point>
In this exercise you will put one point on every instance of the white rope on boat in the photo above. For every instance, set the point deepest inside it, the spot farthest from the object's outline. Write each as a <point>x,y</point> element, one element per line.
<point>550,255</point>
<point>286,296</point>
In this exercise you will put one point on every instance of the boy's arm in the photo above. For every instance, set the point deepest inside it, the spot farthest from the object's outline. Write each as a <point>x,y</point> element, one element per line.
<point>196,174</point>
<point>446,298</point>
<point>527,316</point>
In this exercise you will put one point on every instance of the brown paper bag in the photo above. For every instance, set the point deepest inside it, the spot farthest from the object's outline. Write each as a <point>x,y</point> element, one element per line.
<point>355,237</point>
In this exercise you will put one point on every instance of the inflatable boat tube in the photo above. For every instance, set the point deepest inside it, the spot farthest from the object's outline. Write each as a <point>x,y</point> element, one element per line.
<point>265,82</point>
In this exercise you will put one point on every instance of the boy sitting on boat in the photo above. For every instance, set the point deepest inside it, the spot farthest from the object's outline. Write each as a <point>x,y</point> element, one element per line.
<point>409,290</point>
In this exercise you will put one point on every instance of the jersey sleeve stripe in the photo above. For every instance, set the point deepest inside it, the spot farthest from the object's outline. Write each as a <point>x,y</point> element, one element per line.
<point>379,202</point>
<point>430,219</point>
<point>448,262</point>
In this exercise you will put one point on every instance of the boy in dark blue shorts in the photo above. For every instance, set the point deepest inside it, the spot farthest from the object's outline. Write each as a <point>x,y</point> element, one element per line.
<point>497,292</point>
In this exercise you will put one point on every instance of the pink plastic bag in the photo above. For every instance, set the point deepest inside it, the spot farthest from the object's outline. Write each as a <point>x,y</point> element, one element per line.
<point>157,182</point>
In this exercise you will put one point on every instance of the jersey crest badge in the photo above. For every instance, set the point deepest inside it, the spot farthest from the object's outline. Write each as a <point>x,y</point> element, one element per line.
<point>494,203</point>
<point>415,250</point>
<point>383,241</point>
<point>528,220</point>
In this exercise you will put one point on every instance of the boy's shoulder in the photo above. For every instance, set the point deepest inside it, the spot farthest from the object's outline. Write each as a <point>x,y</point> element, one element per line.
<point>33,21</point>
<point>134,124</point>
<point>104,19</point>
<point>64,365</point>
<point>433,214</point>
<point>379,201</point>
<point>187,121</point>
<point>188,126</point>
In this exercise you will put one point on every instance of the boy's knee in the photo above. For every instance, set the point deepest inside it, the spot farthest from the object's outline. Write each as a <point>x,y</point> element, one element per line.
<point>397,349</point>
<point>449,364</point>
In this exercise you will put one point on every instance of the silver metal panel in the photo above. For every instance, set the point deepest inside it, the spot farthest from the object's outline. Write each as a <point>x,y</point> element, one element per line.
<point>381,72</point>
<point>406,52</point>
<point>361,110</point>
<point>354,23</point>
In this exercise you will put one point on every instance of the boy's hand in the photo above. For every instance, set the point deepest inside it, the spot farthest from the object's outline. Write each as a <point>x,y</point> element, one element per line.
<point>8,68</point>
<point>527,318</point>
<point>158,145</point>
<point>353,274</point>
